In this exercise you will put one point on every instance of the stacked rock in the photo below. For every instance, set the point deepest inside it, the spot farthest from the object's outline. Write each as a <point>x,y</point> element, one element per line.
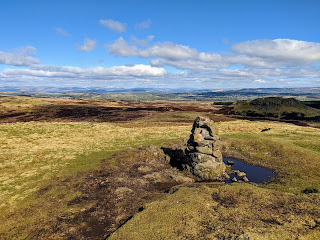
<point>203,155</point>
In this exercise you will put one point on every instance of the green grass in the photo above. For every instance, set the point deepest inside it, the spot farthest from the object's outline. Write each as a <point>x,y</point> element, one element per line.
<point>224,212</point>
<point>34,155</point>
<point>35,151</point>
<point>275,107</point>
<point>278,210</point>
<point>291,151</point>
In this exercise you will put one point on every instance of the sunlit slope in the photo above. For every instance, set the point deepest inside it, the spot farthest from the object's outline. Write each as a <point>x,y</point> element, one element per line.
<point>237,211</point>
<point>276,107</point>
<point>278,210</point>
<point>36,151</point>
<point>35,154</point>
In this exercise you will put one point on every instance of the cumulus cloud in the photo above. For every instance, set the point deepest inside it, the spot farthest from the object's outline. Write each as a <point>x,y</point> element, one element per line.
<point>143,42</point>
<point>87,46</point>
<point>143,25</point>
<point>167,53</point>
<point>282,51</point>
<point>147,76</point>
<point>159,50</point>
<point>62,32</point>
<point>255,54</point>
<point>253,63</point>
<point>41,71</point>
<point>113,25</point>
<point>122,48</point>
<point>20,57</point>
<point>260,81</point>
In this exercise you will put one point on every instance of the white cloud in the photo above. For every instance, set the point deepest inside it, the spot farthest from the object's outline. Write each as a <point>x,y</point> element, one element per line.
<point>189,64</point>
<point>74,73</point>
<point>21,57</point>
<point>62,32</point>
<point>260,81</point>
<point>159,50</point>
<point>263,63</point>
<point>113,25</point>
<point>122,48</point>
<point>143,42</point>
<point>147,76</point>
<point>265,54</point>
<point>167,53</point>
<point>281,51</point>
<point>88,45</point>
<point>143,25</point>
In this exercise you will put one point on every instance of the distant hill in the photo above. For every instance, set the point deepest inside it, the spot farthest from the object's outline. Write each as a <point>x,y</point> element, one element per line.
<point>312,93</point>
<point>44,89</point>
<point>276,107</point>
<point>223,95</point>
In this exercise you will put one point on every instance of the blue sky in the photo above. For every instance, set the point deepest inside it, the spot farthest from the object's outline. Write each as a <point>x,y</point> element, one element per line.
<point>168,44</point>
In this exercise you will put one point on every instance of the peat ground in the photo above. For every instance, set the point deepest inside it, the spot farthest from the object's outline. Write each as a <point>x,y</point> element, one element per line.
<point>92,202</point>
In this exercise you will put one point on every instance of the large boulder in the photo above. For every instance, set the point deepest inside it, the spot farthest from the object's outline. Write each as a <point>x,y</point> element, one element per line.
<point>203,156</point>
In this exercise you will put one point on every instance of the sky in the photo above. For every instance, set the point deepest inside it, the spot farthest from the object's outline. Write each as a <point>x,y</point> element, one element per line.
<point>198,44</point>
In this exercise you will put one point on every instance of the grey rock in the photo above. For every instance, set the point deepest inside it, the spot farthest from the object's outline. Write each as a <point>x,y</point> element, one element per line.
<point>245,179</point>
<point>203,155</point>
<point>241,174</point>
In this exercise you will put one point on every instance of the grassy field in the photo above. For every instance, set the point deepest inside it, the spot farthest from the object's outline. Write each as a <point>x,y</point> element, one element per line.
<point>34,153</point>
<point>38,154</point>
<point>277,210</point>
<point>289,150</point>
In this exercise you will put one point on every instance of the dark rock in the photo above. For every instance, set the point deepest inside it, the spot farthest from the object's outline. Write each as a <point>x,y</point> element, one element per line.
<point>266,129</point>
<point>230,162</point>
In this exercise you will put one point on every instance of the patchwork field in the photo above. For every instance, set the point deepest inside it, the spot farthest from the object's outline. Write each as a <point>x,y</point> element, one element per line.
<point>79,169</point>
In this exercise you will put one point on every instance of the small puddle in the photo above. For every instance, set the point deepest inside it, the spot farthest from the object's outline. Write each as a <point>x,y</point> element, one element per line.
<point>254,174</point>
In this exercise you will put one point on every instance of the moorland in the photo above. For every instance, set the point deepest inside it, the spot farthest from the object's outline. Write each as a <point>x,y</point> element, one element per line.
<point>94,169</point>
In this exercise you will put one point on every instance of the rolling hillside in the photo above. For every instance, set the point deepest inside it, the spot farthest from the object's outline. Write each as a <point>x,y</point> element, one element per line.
<point>276,107</point>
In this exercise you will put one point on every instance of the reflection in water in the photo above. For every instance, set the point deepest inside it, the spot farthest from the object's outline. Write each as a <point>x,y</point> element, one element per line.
<point>254,174</point>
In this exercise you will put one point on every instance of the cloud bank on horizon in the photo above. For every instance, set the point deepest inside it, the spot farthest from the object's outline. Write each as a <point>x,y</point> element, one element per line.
<point>148,62</point>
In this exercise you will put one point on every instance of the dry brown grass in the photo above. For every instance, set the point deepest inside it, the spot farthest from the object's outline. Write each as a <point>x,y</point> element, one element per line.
<point>36,151</point>
<point>33,154</point>
<point>291,151</point>
<point>225,212</point>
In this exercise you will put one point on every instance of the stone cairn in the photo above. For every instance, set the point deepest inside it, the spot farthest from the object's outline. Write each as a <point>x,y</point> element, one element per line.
<point>203,156</point>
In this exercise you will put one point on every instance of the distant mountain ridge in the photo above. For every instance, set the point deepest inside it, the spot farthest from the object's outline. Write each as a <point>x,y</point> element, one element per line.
<point>44,89</point>
<point>202,92</point>
<point>150,94</point>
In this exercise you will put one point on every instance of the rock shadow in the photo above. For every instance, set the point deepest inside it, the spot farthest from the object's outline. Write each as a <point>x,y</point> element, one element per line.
<point>176,157</point>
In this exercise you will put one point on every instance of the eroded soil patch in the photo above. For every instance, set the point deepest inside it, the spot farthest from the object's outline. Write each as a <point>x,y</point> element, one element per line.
<point>113,194</point>
<point>98,111</point>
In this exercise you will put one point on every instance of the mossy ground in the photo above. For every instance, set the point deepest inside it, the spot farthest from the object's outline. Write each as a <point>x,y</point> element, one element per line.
<point>276,210</point>
<point>47,155</point>
<point>225,212</point>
